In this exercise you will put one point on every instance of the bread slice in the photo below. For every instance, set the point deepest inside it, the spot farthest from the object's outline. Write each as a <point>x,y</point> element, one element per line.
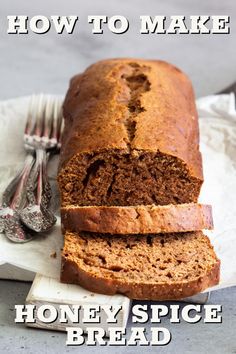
<point>151,267</point>
<point>143,219</point>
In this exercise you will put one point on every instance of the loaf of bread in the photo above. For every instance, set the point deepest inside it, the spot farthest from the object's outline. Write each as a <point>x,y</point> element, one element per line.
<point>130,175</point>
<point>131,136</point>
<point>153,267</point>
<point>142,219</point>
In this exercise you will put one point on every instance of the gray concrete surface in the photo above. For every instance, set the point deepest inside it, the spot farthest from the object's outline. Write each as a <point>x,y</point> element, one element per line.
<point>44,63</point>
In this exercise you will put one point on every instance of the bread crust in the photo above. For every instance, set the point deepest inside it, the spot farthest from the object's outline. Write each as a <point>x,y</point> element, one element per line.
<point>71,273</point>
<point>143,219</point>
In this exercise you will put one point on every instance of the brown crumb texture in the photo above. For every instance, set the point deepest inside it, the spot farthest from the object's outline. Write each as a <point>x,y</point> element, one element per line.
<point>153,267</point>
<point>131,136</point>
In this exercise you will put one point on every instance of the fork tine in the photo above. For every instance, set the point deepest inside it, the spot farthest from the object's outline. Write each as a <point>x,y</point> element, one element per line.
<point>56,119</point>
<point>44,122</point>
<point>29,126</point>
<point>39,117</point>
<point>60,133</point>
<point>60,115</point>
<point>48,117</point>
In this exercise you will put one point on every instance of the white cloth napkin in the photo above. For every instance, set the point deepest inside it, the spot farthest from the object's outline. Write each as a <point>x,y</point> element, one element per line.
<point>218,146</point>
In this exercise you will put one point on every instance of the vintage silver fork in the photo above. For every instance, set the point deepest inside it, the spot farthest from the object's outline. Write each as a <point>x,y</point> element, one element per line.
<point>42,134</point>
<point>13,199</point>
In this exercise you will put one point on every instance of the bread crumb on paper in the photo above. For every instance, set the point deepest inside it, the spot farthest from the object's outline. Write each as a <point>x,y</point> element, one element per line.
<point>53,255</point>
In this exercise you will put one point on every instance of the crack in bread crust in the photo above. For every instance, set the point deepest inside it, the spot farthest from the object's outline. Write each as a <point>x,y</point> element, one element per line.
<point>138,84</point>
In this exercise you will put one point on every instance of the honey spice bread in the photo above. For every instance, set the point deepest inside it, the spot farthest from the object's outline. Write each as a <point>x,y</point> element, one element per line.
<point>130,175</point>
<point>153,267</point>
<point>142,219</point>
<point>131,136</point>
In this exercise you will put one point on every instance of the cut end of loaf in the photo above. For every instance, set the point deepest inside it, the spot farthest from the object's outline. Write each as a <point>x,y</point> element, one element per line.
<point>122,179</point>
<point>154,267</point>
<point>133,142</point>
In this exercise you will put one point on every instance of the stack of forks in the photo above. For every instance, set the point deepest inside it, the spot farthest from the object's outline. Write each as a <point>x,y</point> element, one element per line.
<point>25,209</point>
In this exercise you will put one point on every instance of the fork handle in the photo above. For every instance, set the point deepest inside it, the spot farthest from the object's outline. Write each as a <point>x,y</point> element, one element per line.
<point>43,191</point>
<point>47,192</point>
<point>38,189</point>
<point>15,193</point>
<point>40,158</point>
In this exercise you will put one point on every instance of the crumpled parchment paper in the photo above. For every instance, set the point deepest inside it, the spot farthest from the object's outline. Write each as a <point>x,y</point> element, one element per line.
<point>218,146</point>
